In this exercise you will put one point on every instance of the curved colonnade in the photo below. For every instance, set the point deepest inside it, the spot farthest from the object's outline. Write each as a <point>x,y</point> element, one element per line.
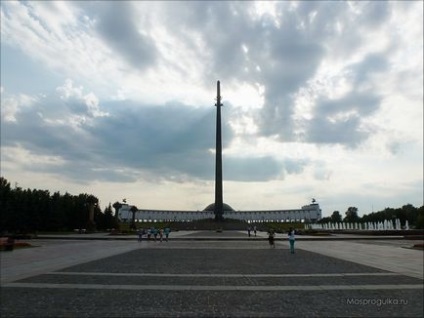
<point>309,213</point>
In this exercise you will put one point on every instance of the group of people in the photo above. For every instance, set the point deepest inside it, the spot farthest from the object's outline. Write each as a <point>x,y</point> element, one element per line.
<point>271,236</point>
<point>291,237</point>
<point>154,234</point>
<point>160,234</point>
<point>250,229</point>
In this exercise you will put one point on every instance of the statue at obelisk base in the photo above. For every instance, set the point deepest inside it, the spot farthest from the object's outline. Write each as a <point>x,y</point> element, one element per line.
<point>218,208</point>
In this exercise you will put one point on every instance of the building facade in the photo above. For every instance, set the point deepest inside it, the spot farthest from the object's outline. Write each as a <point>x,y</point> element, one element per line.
<point>309,213</point>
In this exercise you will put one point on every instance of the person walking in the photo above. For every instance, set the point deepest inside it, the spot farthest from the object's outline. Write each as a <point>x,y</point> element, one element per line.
<point>155,233</point>
<point>254,230</point>
<point>160,234</point>
<point>271,235</point>
<point>291,239</point>
<point>166,231</point>
<point>248,230</point>
<point>140,234</point>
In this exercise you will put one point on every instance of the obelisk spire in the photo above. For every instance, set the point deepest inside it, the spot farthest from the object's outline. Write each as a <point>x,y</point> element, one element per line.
<point>219,208</point>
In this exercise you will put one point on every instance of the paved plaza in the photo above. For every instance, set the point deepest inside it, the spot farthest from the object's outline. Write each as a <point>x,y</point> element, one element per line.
<point>217,275</point>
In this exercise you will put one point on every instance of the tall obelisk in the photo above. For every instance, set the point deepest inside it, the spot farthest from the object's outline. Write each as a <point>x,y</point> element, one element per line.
<point>219,206</point>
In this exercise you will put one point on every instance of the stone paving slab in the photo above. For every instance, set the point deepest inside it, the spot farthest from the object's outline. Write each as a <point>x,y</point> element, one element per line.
<point>52,255</point>
<point>211,278</point>
<point>392,258</point>
<point>199,260</point>
<point>219,280</point>
<point>141,303</point>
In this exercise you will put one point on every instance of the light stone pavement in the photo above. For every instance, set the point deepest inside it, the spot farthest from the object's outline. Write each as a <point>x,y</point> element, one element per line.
<point>237,276</point>
<point>56,254</point>
<point>391,258</point>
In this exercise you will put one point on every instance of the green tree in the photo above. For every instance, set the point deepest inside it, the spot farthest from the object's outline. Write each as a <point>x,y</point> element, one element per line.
<point>36,210</point>
<point>117,206</point>
<point>420,218</point>
<point>109,220</point>
<point>6,207</point>
<point>133,209</point>
<point>41,202</point>
<point>351,215</point>
<point>59,216</point>
<point>325,220</point>
<point>411,213</point>
<point>92,203</point>
<point>336,217</point>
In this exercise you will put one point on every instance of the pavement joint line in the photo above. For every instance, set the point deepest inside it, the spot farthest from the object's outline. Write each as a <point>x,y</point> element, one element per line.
<point>221,275</point>
<point>214,288</point>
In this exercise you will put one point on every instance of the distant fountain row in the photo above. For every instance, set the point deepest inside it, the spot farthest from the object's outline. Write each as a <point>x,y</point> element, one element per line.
<point>373,226</point>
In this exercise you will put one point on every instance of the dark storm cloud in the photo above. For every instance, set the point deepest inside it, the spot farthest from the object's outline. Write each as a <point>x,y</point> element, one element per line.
<point>223,26</point>
<point>342,132</point>
<point>265,168</point>
<point>175,140</point>
<point>339,120</point>
<point>294,55</point>
<point>287,56</point>
<point>371,64</point>
<point>374,13</point>
<point>42,138</point>
<point>287,49</point>
<point>117,25</point>
<point>170,140</point>
<point>290,63</point>
<point>296,58</point>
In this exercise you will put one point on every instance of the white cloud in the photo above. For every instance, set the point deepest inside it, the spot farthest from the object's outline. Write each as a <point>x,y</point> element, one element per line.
<point>10,106</point>
<point>19,158</point>
<point>89,101</point>
<point>320,100</point>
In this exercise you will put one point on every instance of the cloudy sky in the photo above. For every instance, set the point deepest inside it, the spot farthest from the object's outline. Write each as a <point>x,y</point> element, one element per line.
<point>321,100</point>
